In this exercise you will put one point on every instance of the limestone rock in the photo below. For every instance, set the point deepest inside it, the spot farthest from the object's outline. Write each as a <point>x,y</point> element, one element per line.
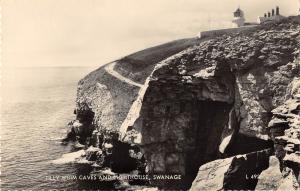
<point>289,182</point>
<point>273,179</point>
<point>270,178</point>
<point>92,153</point>
<point>190,96</point>
<point>211,175</point>
<point>236,173</point>
<point>212,100</point>
<point>287,119</point>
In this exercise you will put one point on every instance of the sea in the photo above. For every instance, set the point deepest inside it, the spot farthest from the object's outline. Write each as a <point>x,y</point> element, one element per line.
<point>36,105</point>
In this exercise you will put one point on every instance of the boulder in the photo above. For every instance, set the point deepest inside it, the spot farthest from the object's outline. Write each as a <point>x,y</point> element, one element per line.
<point>270,179</point>
<point>240,172</point>
<point>211,175</point>
<point>289,181</point>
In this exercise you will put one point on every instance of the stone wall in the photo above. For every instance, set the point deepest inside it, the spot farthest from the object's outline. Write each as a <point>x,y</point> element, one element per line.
<point>218,32</point>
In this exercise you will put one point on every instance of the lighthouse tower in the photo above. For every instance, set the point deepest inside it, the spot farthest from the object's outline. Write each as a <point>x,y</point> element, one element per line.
<point>239,19</point>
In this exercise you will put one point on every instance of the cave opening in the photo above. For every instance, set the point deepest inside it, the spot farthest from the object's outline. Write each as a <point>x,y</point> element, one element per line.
<point>83,132</point>
<point>120,159</point>
<point>85,117</point>
<point>209,118</point>
<point>208,121</point>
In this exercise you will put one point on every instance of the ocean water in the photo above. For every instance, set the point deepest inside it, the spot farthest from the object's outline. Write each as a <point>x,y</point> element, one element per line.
<point>37,104</point>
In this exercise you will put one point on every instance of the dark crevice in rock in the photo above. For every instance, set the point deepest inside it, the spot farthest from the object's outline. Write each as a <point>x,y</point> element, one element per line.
<point>208,124</point>
<point>85,115</point>
<point>108,153</point>
<point>243,144</point>
<point>121,161</point>
<point>199,142</point>
<point>81,129</point>
<point>244,171</point>
<point>120,157</point>
<point>295,168</point>
<point>193,120</point>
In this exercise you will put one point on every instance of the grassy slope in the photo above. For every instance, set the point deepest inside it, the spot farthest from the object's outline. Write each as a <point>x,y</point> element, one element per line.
<point>139,65</point>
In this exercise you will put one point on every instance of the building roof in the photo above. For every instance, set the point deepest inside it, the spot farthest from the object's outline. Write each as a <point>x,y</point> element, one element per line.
<point>238,13</point>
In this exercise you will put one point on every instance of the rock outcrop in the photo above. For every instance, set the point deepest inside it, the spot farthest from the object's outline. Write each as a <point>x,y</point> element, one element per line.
<point>215,99</point>
<point>226,104</point>
<point>285,132</point>
<point>236,173</point>
<point>104,98</point>
<point>273,179</point>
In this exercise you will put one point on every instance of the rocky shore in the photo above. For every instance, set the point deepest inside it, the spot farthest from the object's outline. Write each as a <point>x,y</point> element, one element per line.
<point>223,113</point>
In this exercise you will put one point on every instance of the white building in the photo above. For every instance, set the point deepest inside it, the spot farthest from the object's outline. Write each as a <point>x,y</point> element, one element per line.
<point>271,16</point>
<point>240,23</point>
<point>238,18</point>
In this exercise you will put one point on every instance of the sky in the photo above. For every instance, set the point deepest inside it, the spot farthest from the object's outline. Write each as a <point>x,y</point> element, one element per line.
<point>42,33</point>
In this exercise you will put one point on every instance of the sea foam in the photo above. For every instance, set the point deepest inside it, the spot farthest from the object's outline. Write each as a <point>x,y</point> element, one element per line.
<point>74,157</point>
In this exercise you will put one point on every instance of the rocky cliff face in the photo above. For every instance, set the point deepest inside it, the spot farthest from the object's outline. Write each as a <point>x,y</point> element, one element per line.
<point>103,99</point>
<point>233,100</point>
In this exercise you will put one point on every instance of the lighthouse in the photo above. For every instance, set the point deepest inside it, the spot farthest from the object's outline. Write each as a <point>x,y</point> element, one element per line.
<point>238,18</point>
